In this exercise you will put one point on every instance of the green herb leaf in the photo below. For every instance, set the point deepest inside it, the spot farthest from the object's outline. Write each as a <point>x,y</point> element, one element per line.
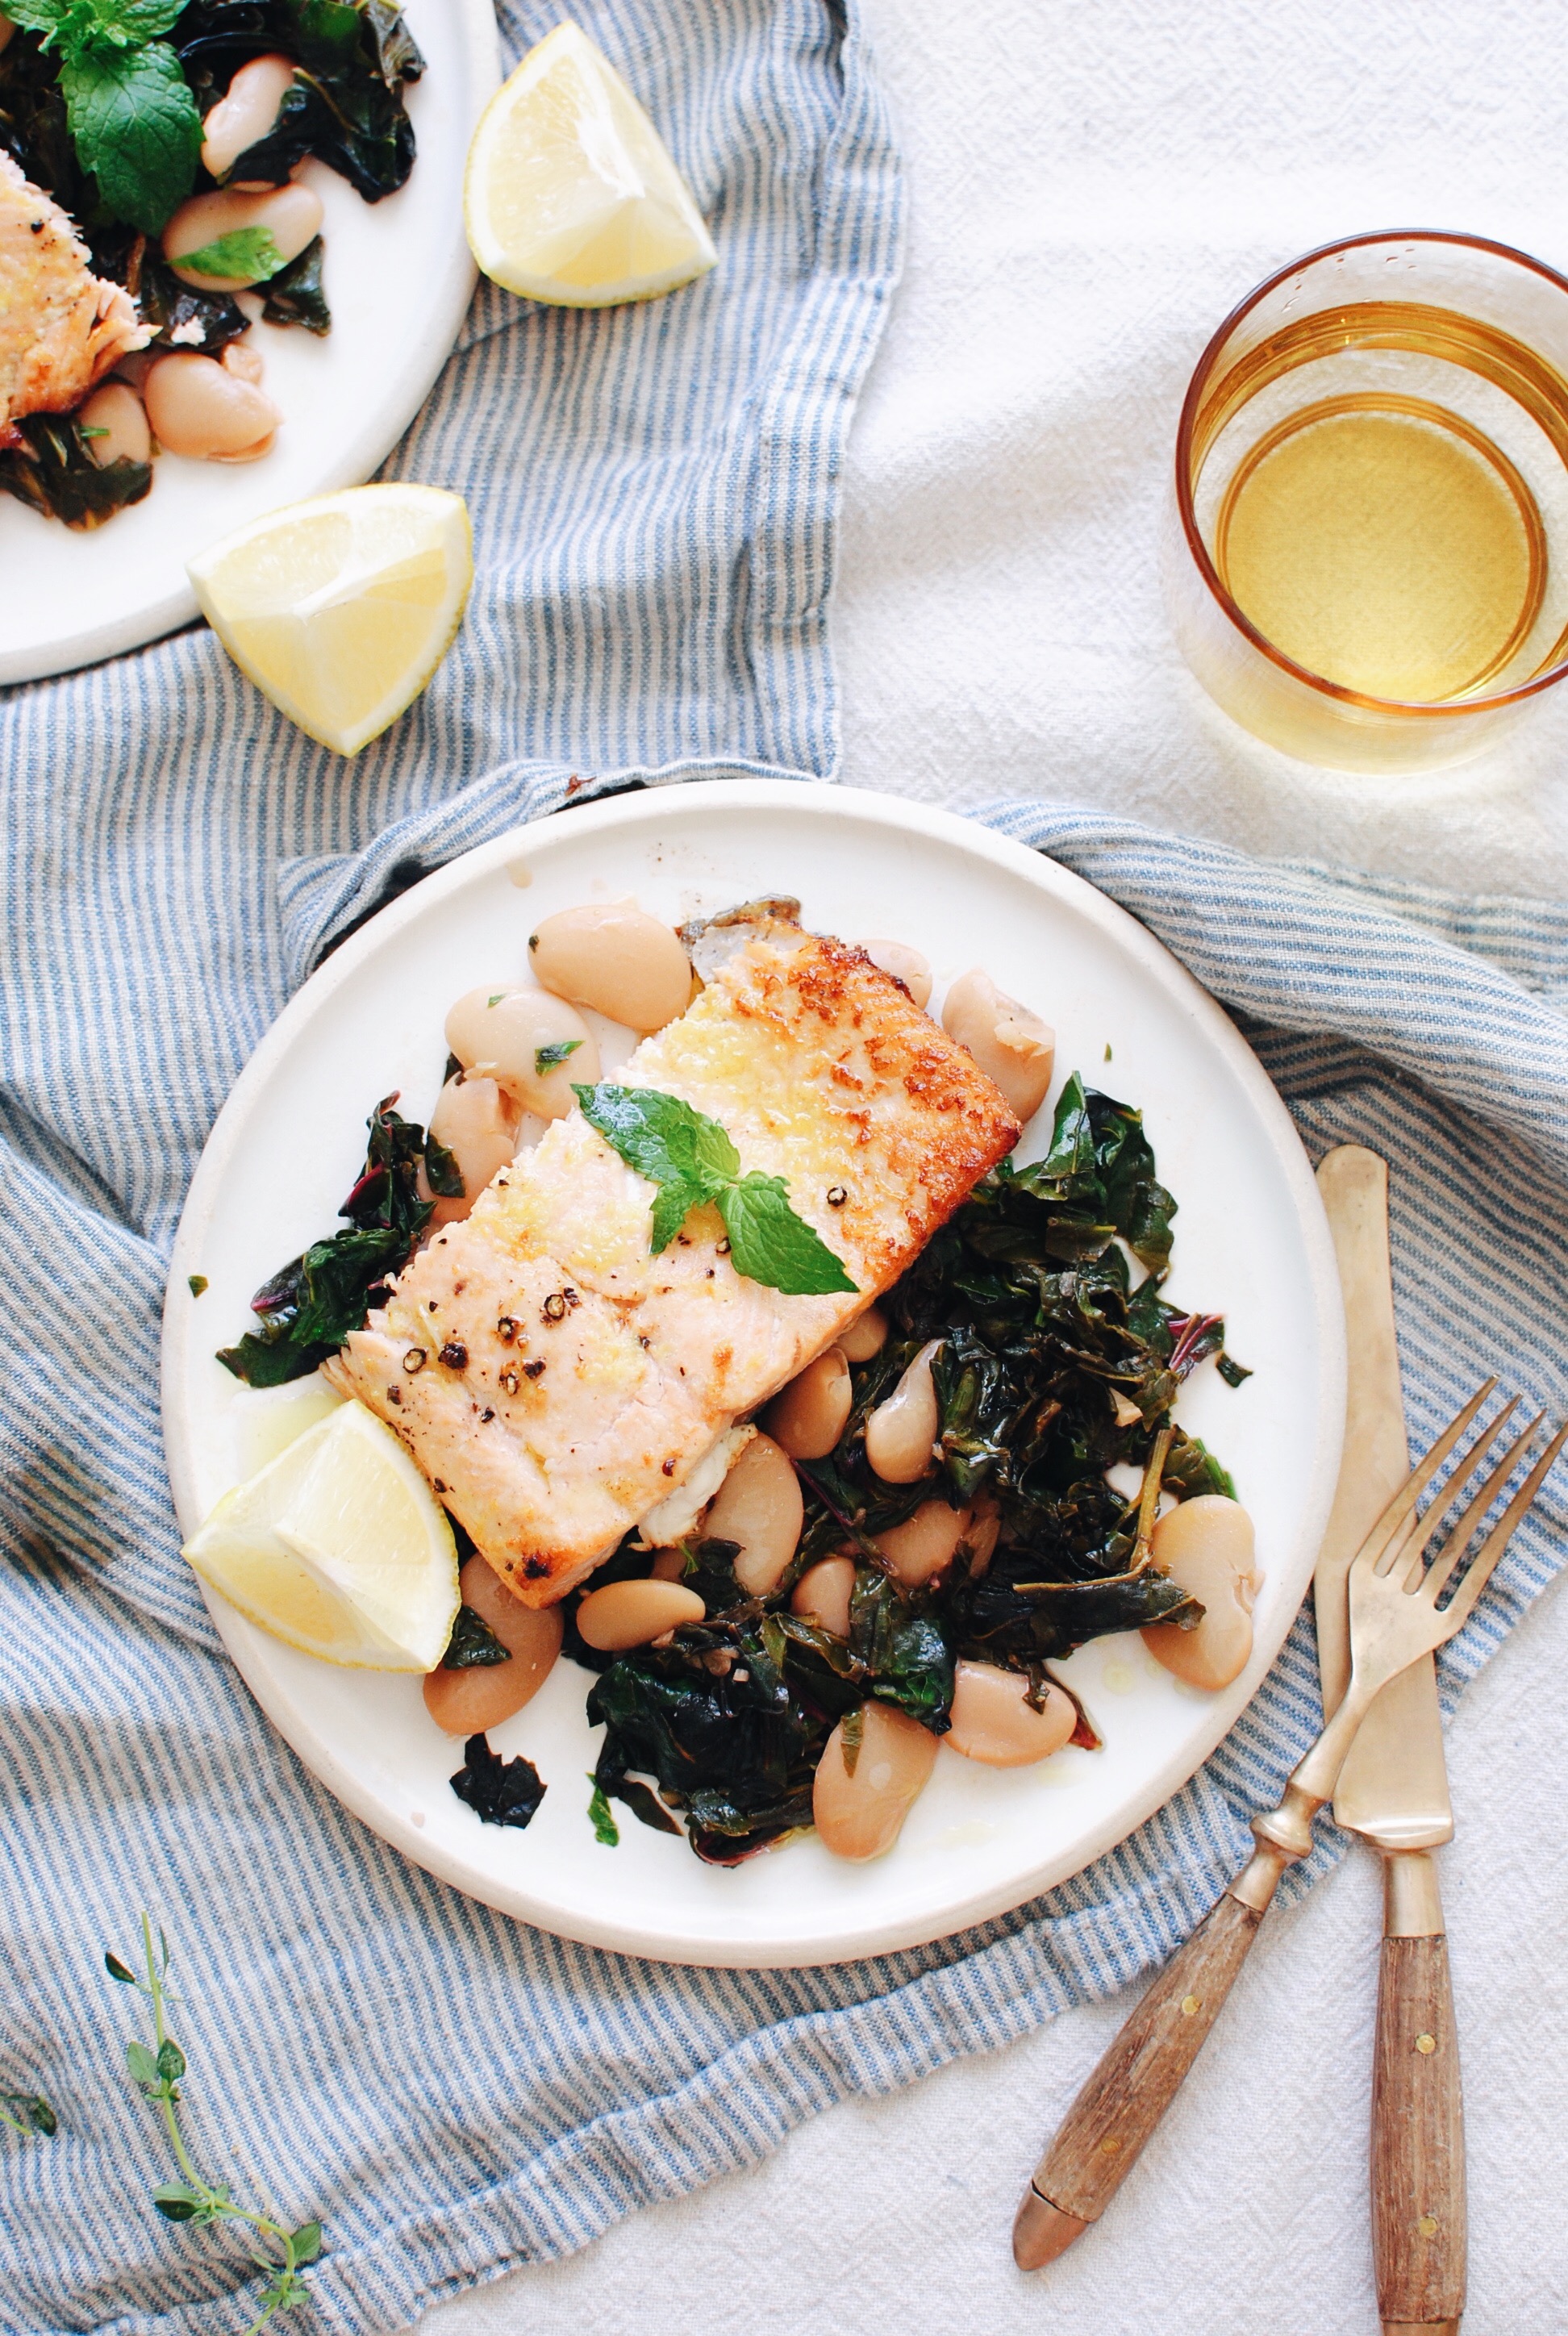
<point>180,2202</point>
<point>170,2061</point>
<point>247,255</point>
<point>769,1243</point>
<point>117,1970</point>
<point>135,127</point>
<point>691,1159</point>
<point>605,1829</point>
<point>545,1059</point>
<point>143,2062</point>
<point>197,1284</point>
<point>307,2243</point>
<point>34,2114</point>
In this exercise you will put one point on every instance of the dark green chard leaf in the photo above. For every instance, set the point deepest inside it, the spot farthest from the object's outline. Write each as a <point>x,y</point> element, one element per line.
<point>499,1792</point>
<point>310,1305</point>
<point>347,105</point>
<point>295,294</point>
<point>55,474</point>
<point>1010,1616</point>
<point>473,1644</point>
<point>184,317</point>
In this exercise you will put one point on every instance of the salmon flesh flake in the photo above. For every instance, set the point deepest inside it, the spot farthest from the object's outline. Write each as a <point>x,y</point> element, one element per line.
<point>553,1378</point>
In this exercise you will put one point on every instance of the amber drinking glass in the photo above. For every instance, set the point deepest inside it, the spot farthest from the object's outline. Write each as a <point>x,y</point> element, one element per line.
<point>1367,554</point>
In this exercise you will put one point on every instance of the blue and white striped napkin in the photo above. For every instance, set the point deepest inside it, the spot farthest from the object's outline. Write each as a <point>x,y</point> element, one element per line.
<point>453,2093</point>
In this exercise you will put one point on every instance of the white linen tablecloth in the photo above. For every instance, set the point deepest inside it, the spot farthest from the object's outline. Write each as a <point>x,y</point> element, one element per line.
<point>1091,187</point>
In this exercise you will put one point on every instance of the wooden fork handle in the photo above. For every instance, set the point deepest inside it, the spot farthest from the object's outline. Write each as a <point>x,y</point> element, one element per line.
<point>1133,2085</point>
<point>1418,2235</point>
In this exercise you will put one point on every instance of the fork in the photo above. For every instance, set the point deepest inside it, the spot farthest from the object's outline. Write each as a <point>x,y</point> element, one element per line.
<point>1395,1618</point>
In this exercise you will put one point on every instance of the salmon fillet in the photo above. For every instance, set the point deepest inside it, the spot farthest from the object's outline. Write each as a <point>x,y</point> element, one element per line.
<point>553,1378</point>
<point>60,326</point>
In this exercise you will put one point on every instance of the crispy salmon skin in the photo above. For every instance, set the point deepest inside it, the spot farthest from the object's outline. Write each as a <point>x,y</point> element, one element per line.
<point>555,1381</point>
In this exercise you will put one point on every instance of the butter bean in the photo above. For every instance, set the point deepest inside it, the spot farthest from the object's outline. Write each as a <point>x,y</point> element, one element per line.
<point>499,1032</point>
<point>242,118</point>
<point>1206,1546</point>
<point>867,1336</point>
<point>923,1545</point>
<point>822,1594</point>
<point>616,959</point>
<point>759,1506</point>
<point>118,412</point>
<point>994,1721</point>
<point>633,1613</point>
<point>900,1432</point>
<point>807,1417</point>
<point>467,1702</point>
<point>290,214</point>
<point>905,964</point>
<point>859,1814</point>
<point>197,408</point>
<point>477,1122</point>
<point>1012,1045</point>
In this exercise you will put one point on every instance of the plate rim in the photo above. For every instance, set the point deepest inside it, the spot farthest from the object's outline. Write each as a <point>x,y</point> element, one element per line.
<point>357,458</point>
<point>810,799</point>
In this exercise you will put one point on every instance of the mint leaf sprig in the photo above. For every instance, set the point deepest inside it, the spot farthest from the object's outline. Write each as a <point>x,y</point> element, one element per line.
<point>157,2070</point>
<point>132,117</point>
<point>691,1159</point>
<point>246,255</point>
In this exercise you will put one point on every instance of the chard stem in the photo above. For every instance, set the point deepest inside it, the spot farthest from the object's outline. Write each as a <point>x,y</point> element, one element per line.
<point>1149,1499</point>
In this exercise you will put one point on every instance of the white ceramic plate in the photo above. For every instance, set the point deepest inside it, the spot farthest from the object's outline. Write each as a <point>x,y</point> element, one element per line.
<point>399,277</point>
<point>1251,1240</point>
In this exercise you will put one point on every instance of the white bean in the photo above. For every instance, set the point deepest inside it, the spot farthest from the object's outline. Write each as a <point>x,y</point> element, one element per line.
<point>860,1813</point>
<point>759,1506</point>
<point>900,1432</point>
<point>197,409</point>
<point>615,959</point>
<point>994,1721</point>
<point>243,118</point>
<point>291,216</point>
<point>633,1613</point>
<point>477,1122</point>
<point>118,412</point>
<point>807,1417</point>
<point>467,1702</point>
<point>1206,1546</point>
<point>866,1336</point>
<point>905,964</point>
<point>500,1031</point>
<point>822,1594</point>
<point>923,1545</point>
<point>1015,1050</point>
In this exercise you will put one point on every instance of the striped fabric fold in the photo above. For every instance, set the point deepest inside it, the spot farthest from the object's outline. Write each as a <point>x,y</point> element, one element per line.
<point>654,490</point>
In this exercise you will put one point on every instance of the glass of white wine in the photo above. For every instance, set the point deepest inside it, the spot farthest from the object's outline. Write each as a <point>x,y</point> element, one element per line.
<point>1366,553</point>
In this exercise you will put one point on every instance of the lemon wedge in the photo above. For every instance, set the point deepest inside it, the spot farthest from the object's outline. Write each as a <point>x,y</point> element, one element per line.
<point>338,1548</point>
<point>341,608</point>
<point>571,196</point>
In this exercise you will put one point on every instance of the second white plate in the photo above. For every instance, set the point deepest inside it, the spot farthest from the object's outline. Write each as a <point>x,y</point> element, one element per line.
<point>1251,1242</point>
<point>399,277</point>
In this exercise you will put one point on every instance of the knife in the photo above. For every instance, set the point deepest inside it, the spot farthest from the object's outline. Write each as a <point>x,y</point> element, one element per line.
<point>1394,1792</point>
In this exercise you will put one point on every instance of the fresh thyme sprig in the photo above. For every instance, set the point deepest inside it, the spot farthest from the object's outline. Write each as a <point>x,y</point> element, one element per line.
<point>27,2114</point>
<point>156,2070</point>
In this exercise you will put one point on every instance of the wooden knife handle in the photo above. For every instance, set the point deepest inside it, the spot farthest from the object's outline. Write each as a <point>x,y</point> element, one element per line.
<point>1417,2141</point>
<point>1133,2085</point>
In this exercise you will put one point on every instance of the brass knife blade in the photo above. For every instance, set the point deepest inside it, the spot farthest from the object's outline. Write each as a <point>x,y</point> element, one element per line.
<point>1394,1787</point>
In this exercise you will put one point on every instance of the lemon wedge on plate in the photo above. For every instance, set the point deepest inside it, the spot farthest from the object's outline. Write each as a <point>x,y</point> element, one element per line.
<point>338,1548</point>
<point>341,608</point>
<point>571,196</point>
